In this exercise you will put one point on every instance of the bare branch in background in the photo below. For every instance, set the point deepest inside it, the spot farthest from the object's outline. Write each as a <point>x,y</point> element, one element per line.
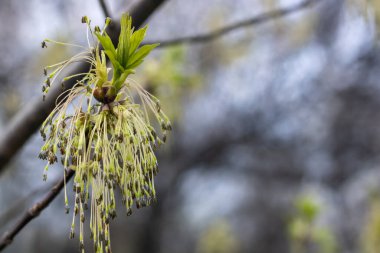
<point>17,207</point>
<point>105,9</point>
<point>260,19</point>
<point>34,211</point>
<point>28,119</point>
<point>26,122</point>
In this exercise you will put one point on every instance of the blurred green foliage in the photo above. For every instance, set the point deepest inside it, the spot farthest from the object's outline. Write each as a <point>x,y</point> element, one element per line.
<point>370,236</point>
<point>305,234</point>
<point>52,54</point>
<point>218,238</point>
<point>167,77</point>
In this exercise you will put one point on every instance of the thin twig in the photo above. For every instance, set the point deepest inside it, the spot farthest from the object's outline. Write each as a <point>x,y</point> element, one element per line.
<point>16,208</point>
<point>105,9</point>
<point>42,110</point>
<point>27,121</point>
<point>30,117</point>
<point>34,211</point>
<point>260,19</point>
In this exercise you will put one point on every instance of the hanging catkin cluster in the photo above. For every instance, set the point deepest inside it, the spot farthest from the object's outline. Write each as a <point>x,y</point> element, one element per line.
<point>102,130</point>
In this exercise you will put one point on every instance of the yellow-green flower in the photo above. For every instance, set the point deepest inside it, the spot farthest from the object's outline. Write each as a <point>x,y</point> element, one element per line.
<point>102,130</point>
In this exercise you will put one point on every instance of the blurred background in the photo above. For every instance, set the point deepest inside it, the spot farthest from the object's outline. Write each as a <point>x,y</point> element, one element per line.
<point>276,127</point>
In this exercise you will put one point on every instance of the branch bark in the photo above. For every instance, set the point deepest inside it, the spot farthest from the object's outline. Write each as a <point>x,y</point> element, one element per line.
<point>260,19</point>
<point>34,211</point>
<point>105,9</point>
<point>27,121</point>
<point>21,204</point>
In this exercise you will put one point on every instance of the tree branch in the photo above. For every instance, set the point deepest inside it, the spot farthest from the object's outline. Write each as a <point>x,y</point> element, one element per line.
<point>106,12</point>
<point>260,19</point>
<point>27,121</point>
<point>16,208</point>
<point>34,211</point>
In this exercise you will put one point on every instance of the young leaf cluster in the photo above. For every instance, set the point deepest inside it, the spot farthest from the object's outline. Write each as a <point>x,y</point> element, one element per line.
<point>103,131</point>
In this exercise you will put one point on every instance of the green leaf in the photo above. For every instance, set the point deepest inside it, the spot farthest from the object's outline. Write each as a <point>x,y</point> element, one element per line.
<point>124,40</point>
<point>119,82</point>
<point>140,54</point>
<point>115,63</point>
<point>101,68</point>
<point>136,39</point>
<point>106,42</point>
<point>135,65</point>
<point>127,55</point>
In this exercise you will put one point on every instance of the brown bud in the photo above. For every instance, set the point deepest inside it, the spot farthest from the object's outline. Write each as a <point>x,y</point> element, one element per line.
<point>105,94</point>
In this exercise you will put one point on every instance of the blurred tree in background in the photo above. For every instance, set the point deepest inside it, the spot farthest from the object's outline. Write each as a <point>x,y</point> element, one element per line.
<point>275,144</point>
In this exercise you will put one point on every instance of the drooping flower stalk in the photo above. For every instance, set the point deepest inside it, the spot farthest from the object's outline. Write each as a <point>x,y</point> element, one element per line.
<point>102,130</point>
